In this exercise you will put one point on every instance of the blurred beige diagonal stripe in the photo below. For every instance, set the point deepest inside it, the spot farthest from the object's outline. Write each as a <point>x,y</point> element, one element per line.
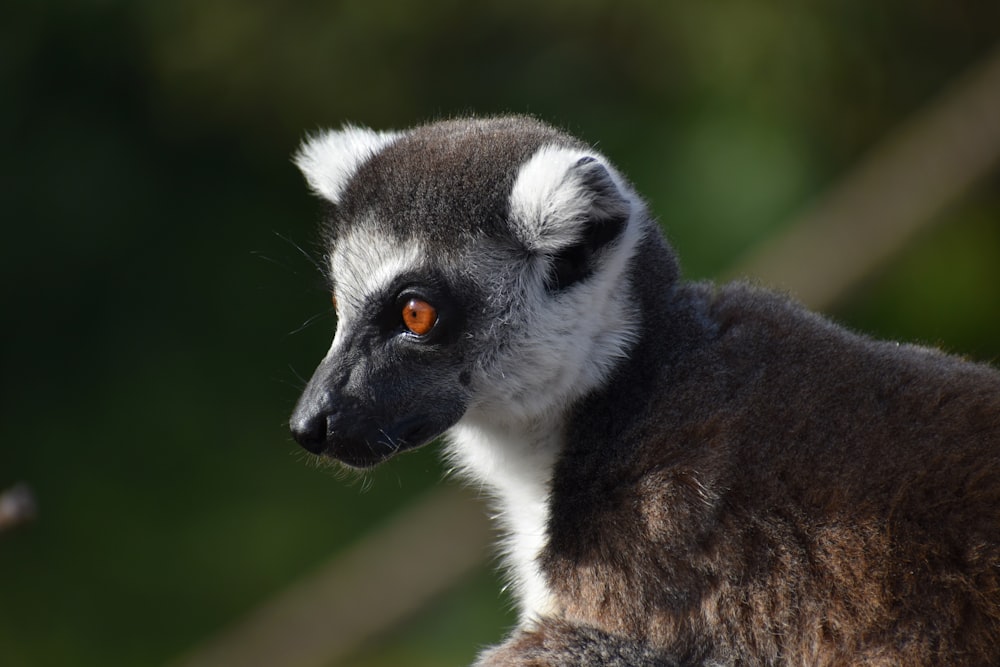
<point>419,552</point>
<point>903,185</point>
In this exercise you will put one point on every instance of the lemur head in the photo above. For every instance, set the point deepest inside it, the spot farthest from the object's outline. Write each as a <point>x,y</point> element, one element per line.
<point>478,269</point>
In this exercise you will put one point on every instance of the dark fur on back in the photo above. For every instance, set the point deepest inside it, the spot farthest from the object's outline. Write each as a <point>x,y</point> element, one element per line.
<point>804,495</point>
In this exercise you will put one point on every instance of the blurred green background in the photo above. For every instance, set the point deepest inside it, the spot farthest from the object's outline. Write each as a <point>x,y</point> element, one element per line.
<point>154,293</point>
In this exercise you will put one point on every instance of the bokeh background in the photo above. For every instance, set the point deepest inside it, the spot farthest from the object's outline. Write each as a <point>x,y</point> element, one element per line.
<point>160,308</point>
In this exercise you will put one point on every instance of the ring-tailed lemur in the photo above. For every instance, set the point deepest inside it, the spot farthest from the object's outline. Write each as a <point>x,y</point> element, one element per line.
<point>686,475</point>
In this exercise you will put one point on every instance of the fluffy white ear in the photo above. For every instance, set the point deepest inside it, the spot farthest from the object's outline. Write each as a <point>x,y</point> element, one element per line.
<point>561,194</point>
<point>329,159</point>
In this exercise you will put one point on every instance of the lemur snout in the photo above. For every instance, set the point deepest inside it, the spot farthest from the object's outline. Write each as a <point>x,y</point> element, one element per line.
<point>359,433</point>
<point>312,421</point>
<point>310,431</point>
<point>359,443</point>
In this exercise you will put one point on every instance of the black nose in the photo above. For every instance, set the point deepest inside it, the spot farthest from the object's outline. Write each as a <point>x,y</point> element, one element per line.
<point>309,430</point>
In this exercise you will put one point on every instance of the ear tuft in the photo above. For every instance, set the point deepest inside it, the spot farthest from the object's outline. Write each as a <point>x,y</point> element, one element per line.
<point>561,191</point>
<point>567,206</point>
<point>329,159</point>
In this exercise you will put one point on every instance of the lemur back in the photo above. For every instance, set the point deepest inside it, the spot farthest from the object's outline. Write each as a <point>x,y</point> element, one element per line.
<point>686,474</point>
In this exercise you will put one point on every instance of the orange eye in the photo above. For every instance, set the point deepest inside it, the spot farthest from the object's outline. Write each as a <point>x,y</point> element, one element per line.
<point>419,316</point>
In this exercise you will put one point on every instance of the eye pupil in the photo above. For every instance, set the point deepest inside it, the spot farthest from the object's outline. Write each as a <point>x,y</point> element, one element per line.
<point>419,316</point>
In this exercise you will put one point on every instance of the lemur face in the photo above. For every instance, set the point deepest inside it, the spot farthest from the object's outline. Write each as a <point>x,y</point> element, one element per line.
<point>473,265</point>
<point>395,377</point>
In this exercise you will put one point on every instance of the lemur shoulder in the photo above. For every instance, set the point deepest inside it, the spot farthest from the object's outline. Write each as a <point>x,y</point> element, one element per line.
<point>686,474</point>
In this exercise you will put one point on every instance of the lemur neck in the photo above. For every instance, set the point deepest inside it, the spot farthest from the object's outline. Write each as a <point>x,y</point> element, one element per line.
<point>514,457</point>
<point>514,463</point>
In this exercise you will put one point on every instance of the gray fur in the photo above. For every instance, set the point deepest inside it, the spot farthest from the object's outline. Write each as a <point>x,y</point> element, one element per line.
<point>685,474</point>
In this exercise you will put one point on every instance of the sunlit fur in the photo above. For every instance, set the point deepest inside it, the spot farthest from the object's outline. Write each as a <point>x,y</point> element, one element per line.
<point>329,159</point>
<point>363,263</point>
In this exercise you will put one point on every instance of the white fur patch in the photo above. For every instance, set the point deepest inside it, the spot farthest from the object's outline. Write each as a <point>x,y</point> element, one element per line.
<point>328,160</point>
<point>516,465</point>
<point>365,262</point>
<point>566,342</point>
<point>547,202</point>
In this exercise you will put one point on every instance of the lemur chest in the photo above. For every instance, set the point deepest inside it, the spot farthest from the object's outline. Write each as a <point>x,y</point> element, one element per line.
<point>515,466</point>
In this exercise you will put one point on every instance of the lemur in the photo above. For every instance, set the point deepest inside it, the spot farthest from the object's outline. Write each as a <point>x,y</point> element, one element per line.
<point>685,474</point>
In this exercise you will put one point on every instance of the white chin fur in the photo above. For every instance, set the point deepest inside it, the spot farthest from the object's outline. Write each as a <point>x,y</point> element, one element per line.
<point>515,465</point>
